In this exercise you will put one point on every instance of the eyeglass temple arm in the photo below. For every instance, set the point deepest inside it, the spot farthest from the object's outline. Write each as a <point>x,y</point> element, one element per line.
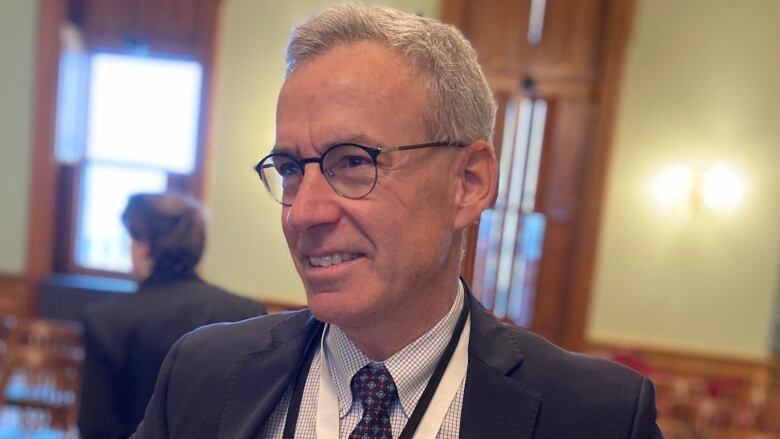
<point>422,145</point>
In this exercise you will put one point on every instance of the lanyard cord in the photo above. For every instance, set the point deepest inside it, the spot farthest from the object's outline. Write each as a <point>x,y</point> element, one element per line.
<point>300,382</point>
<point>433,383</point>
<point>422,404</point>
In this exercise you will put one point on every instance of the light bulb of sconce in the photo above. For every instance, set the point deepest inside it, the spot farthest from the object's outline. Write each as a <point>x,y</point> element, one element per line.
<point>673,187</point>
<point>722,188</point>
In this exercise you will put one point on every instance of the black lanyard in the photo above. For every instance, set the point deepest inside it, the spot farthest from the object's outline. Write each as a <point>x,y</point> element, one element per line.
<point>422,404</point>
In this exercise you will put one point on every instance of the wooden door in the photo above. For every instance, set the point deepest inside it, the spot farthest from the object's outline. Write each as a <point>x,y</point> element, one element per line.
<point>552,67</point>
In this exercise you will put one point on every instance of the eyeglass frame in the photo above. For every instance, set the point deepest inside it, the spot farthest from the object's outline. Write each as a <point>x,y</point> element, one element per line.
<point>372,151</point>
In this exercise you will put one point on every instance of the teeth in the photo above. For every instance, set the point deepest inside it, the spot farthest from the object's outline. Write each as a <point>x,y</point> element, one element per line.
<point>334,259</point>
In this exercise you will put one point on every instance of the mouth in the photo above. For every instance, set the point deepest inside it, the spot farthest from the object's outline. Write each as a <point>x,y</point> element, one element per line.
<point>332,259</point>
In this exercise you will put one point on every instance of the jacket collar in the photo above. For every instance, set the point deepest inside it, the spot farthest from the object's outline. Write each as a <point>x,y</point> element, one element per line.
<point>495,404</point>
<point>263,375</point>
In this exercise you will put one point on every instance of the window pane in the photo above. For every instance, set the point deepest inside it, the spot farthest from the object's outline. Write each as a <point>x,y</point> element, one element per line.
<point>144,111</point>
<point>101,241</point>
<point>71,97</point>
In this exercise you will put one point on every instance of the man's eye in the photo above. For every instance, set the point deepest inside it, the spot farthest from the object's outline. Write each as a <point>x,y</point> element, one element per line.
<point>288,170</point>
<point>354,161</point>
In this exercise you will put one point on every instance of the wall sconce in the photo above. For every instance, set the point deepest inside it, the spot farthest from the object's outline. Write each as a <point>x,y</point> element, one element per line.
<point>684,189</point>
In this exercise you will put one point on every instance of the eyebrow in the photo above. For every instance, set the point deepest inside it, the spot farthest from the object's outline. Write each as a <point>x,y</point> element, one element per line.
<point>361,139</point>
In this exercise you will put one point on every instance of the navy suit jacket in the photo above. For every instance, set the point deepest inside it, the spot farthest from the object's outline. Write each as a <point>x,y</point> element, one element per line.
<point>224,381</point>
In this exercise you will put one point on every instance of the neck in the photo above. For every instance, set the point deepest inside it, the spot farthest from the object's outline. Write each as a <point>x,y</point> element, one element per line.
<point>381,340</point>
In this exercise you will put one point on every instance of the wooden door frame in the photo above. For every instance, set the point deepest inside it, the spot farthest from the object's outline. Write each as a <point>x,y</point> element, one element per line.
<point>43,176</point>
<point>575,312</point>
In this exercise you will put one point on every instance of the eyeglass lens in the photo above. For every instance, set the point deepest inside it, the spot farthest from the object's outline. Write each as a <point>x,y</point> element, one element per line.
<point>349,169</point>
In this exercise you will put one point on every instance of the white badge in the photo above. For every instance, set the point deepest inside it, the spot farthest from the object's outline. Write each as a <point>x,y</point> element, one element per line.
<point>327,399</point>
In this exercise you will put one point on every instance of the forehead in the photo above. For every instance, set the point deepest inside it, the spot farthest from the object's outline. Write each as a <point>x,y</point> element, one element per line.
<point>353,91</point>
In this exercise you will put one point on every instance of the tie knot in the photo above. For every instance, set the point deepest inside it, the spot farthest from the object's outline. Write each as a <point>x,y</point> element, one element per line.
<point>375,387</point>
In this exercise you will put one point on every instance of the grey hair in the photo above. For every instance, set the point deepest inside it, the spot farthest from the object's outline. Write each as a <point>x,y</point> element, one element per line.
<point>461,104</point>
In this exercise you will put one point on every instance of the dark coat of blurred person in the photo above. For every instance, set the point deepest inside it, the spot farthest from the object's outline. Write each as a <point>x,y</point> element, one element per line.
<point>126,339</point>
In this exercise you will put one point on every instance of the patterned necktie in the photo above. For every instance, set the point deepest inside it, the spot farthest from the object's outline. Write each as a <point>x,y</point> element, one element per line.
<point>375,388</point>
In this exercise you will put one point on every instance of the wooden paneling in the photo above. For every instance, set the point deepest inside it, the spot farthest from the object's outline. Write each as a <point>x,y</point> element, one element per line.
<point>110,17</point>
<point>551,287</point>
<point>756,372</point>
<point>565,151</point>
<point>170,20</point>
<point>702,395</point>
<point>161,26</point>
<point>572,34</point>
<point>13,292</point>
<point>497,29</point>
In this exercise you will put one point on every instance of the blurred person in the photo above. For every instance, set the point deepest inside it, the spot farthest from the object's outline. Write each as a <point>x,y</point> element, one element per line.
<point>382,160</point>
<point>126,339</point>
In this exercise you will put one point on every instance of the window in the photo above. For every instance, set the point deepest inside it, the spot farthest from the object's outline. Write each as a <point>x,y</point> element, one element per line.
<point>143,111</point>
<point>141,134</point>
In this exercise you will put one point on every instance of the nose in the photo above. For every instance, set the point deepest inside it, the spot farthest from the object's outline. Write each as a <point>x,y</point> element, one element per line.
<point>314,204</point>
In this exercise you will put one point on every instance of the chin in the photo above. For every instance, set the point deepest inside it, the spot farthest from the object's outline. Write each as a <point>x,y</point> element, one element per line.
<point>338,309</point>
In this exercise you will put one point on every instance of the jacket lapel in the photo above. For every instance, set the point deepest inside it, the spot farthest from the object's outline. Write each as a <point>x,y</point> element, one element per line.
<point>262,377</point>
<point>494,404</point>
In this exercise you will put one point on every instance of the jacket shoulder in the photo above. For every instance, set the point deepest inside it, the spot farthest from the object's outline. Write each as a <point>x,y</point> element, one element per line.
<point>583,389</point>
<point>250,335</point>
<point>546,365</point>
<point>217,369</point>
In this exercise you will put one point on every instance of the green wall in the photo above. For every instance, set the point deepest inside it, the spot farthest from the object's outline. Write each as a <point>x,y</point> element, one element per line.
<point>18,20</point>
<point>247,251</point>
<point>702,86</point>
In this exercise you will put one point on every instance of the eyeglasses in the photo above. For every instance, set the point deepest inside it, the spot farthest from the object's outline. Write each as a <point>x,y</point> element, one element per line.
<point>349,168</point>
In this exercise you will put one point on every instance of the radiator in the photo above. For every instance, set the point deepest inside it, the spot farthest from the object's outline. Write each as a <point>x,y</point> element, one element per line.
<point>65,296</point>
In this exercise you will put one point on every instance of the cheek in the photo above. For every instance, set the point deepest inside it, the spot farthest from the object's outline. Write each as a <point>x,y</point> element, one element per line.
<point>291,237</point>
<point>433,227</point>
<point>288,232</point>
<point>415,242</point>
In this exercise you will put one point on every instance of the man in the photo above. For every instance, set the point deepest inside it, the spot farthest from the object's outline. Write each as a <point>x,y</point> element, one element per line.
<point>382,160</point>
<point>126,339</point>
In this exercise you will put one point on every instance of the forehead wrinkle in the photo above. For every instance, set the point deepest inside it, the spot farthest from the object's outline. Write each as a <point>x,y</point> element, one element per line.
<point>319,109</point>
<point>350,84</point>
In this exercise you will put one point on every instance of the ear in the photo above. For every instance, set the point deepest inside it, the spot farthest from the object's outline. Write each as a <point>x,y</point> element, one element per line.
<point>142,249</point>
<point>140,254</point>
<point>477,181</point>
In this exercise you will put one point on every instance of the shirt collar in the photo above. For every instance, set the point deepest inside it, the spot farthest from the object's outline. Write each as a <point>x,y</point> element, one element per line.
<point>411,367</point>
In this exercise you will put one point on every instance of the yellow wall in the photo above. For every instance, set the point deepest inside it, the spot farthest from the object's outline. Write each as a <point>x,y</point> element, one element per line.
<point>702,85</point>
<point>18,21</point>
<point>247,251</point>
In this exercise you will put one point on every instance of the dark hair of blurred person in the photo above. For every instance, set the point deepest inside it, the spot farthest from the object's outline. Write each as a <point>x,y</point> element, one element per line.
<point>127,337</point>
<point>168,234</point>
